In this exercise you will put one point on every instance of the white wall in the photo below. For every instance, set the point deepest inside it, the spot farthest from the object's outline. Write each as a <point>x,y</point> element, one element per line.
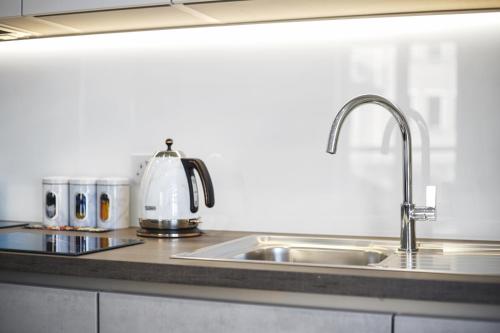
<point>256,102</point>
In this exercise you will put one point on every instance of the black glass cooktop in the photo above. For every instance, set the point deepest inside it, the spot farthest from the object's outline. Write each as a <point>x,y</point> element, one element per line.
<point>66,245</point>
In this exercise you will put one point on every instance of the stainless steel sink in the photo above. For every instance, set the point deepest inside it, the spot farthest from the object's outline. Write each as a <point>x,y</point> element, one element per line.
<point>315,256</point>
<point>448,257</point>
<point>322,251</point>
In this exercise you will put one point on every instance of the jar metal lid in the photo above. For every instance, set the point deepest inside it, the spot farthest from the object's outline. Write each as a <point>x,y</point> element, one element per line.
<point>55,180</point>
<point>113,181</point>
<point>82,181</point>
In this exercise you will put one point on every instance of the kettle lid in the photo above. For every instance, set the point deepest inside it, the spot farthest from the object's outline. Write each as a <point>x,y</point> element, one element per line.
<point>169,152</point>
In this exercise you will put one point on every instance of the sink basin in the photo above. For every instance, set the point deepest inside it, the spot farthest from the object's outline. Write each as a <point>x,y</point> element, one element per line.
<point>322,251</point>
<point>315,256</point>
<point>446,257</point>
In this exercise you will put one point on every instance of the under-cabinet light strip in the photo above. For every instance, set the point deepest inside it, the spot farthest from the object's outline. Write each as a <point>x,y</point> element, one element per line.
<point>266,33</point>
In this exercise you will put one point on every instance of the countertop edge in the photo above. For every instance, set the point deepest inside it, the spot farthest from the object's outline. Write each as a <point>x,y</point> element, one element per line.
<point>261,279</point>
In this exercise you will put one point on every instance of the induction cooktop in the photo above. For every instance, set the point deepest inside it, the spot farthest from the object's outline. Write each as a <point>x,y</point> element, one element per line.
<point>66,245</point>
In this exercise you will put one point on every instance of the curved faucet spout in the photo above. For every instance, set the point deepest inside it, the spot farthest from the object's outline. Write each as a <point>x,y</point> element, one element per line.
<point>403,126</point>
<point>409,213</point>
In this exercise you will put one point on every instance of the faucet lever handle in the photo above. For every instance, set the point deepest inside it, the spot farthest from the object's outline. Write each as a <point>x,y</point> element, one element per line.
<point>430,196</point>
<point>428,212</point>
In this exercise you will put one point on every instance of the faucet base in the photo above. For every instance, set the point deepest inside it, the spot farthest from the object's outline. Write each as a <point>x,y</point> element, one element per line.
<point>408,238</point>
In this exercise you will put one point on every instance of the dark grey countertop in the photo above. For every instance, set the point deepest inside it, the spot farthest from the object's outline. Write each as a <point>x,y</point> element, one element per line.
<point>151,262</point>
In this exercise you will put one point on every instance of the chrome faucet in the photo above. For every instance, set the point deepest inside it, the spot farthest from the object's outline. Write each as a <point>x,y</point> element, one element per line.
<point>409,212</point>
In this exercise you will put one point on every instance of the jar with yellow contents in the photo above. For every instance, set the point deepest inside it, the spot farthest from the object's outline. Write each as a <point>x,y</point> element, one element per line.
<point>113,201</point>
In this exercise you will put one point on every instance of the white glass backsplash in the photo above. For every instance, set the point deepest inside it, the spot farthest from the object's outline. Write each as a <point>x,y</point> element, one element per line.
<point>256,102</point>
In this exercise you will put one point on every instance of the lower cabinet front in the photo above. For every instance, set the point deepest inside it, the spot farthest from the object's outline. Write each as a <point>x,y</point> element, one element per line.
<point>134,313</point>
<point>53,310</point>
<point>414,324</point>
<point>26,309</point>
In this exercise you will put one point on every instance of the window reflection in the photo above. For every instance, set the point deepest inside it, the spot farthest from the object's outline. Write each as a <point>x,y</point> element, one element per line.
<point>432,90</point>
<point>427,76</point>
<point>372,69</point>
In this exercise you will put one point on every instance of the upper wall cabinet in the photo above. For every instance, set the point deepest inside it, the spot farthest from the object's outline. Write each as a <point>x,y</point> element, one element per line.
<point>10,8</point>
<point>280,10</point>
<point>43,18</point>
<point>175,2</point>
<point>47,7</point>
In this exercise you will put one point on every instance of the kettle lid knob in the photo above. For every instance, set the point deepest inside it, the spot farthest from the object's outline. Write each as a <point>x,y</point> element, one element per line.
<point>169,143</point>
<point>169,152</point>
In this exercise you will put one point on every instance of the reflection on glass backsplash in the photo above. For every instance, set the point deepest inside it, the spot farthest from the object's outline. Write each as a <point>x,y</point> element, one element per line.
<point>432,88</point>
<point>371,68</point>
<point>256,102</point>
<point>429,82</point>
<point>374,67</point>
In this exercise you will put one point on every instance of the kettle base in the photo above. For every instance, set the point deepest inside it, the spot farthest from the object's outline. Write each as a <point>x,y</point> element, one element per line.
<point>165,233</point>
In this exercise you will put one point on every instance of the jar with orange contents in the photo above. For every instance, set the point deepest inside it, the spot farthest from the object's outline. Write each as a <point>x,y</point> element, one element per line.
<point>113,201</point>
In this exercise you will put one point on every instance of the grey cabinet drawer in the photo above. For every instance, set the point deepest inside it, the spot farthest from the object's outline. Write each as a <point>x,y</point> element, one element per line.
<point>411,324</point>
<point>134,313</point>
<point>46,310</point>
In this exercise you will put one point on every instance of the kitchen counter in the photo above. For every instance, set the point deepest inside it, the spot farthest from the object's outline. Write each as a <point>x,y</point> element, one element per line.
<point>151,262</point>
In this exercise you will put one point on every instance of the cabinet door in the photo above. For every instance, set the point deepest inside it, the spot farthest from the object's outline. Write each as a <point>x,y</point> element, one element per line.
<point>10,8</point>
<point>414,324</point>
<point>132,313</point>
<point>46,7</point>
<point>46,310</point>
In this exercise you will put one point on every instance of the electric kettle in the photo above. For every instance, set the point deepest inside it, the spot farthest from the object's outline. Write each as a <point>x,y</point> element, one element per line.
<point>168,195</point>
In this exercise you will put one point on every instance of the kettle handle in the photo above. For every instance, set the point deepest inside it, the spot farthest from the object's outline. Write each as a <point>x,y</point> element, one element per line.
<point>206,181</point>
